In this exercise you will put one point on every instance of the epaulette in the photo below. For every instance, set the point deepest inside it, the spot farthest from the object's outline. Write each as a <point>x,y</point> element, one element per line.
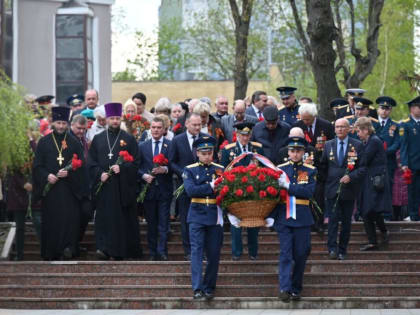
<point>284,164</point>
<point>256,144</point>
<point>348,117</point>
<point>282,106</point>
<point>372,107</point>
<point>193,165</point>
<point>373,119</point>
<point>218,165</point>
<point>309,166</point>
<point>230,145</point>
<point>406,120</point>
<point>341,106</point>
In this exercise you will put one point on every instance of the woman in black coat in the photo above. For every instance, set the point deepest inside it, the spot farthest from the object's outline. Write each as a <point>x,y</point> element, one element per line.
<point>375,196</point>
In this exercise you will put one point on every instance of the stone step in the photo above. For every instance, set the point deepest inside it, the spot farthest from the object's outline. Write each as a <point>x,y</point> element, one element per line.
<point>89,239</point>
<point>167,279</point>
<point>343,302</point>
<point>262,255</point>
<point>254,290</point>
<point>173,267</point>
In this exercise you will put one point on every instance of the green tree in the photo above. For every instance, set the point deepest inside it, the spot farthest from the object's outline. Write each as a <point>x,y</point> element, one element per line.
<point>146,59</point>
<point>126,75</point>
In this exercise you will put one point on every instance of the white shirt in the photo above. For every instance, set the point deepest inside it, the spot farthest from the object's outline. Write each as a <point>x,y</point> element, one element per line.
<point>381,120</point>
<point>154,144</point>
<point>256,110</point>
<point>190,139</point>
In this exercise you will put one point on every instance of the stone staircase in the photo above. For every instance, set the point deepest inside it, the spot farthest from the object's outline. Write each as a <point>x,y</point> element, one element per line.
<point>387,278</point>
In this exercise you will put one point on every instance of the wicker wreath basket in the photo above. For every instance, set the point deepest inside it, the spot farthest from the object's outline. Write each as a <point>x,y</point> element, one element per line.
<point>252,212</point>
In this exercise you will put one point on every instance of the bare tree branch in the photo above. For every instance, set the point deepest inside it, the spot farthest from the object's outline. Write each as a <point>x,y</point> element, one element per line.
<point>301,32</point>
<point>235,12</point>
<point>339,40</point>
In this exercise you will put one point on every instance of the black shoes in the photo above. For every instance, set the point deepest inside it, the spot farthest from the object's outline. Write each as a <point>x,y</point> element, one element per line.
<point>198,295</point>
<point>341,257</point>
<point>209,296</point>
<point>252,257</point>
<point>367,247</point>
<point>385,237</point>
<point>284,296</point>
<point>295,297</point>
<point>332,255</point>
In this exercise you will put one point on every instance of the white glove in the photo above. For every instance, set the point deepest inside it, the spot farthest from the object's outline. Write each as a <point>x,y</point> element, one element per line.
<point>269,222</point>
<point>212,184</point>
<point>234,220</point>
<point>283,181</point>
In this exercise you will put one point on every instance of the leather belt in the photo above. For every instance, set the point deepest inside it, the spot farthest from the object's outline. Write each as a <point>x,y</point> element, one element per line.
<point>206,201</point>
<point>303,202</point>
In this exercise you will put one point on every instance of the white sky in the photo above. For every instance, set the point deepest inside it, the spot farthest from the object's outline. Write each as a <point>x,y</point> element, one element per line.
<point>140,15</point>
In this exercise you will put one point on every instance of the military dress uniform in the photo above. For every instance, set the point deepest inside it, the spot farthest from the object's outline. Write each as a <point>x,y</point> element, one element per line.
<point>344,110</point>
<point>295,234</point>
<point>410,157</point>
<point>286,114</point>
<point>360,103</point>
<point>229,153</point>
<point>205,221</point>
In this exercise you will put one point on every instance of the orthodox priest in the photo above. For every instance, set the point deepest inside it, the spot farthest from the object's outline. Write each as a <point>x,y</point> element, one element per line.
<point>116,222</point>
<point>60,215</point>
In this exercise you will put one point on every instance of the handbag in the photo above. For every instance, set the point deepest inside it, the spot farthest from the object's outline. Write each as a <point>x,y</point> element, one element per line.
<point>378,182</point>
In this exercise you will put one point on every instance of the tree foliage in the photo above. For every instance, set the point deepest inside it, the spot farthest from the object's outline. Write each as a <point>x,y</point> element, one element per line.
<point>15,120</point>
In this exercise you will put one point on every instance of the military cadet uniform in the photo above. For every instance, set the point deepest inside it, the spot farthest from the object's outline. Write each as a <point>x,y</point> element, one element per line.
<point>205,221</point>
<point>347,110</point>
<point>388,131</point>
<point>410,157</point>
<point>288,114</point>
<point>360,103</point>
<point>295,234</point>
<point>229,153</point>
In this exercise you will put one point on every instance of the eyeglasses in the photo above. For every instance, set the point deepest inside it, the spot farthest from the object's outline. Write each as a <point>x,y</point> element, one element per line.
<point>223,103</point>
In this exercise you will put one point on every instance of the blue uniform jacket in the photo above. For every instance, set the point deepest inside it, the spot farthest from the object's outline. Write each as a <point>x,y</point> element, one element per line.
<point>410,144</point>
<point>233,150</point>
<point>390,135</point>
<point>302,186</point>
<point>162,186</point>
<point>289,116</point>
<point>197,178</point>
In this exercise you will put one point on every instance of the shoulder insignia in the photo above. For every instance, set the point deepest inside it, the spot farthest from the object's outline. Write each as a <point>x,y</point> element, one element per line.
<point>218,165</point>
<point>309,166</point>
<point>256,144</point>
<point>348,117</point>
<point>282,106</point>
<point>373,119</point>
<point>230,146</point>
<point>284,164</point>
<point>193,165</point>
<point>401,131</point>
<point>372,107</point>
<point>341,106</point>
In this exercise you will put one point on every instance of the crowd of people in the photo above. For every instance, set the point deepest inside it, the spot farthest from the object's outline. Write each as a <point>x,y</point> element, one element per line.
<point>115,163</point>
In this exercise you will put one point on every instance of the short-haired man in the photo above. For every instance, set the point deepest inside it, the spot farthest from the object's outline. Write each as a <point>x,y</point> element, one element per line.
<point>222,107</point>
<point>159,194</point>
<point>258,103</point>
<point>78,130</point>
<point>91,99</point>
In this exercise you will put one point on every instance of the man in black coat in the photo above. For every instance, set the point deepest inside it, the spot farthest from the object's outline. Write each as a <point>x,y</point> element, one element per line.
<point>271,133</point>
<point>340,162</point>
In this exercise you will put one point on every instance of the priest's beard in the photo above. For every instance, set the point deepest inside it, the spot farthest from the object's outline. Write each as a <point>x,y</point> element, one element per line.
<point>114,129</point>
<point>59,130</point>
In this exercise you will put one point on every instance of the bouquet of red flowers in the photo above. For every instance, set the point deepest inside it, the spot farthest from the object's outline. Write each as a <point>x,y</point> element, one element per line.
<point>136,124</point>
<point>123,156</point>
<point>177,128</point>
<point>158,160</point>
<point>73,165</point>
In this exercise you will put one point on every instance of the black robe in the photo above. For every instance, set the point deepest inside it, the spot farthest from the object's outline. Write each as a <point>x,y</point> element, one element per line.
<point>116,222</point>
<point>60,207</point>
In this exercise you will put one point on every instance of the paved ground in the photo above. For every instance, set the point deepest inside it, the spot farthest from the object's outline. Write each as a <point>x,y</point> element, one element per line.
<point>214,312</point>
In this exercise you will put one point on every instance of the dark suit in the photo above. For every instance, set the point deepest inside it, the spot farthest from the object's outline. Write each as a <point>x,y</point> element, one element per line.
<point>334,172</point>
<point>272,141</point>
<point>181,155</point>
<point>228,121</point>
<point>158,198</point>
<point>251,112</point>
<point>205,231</point>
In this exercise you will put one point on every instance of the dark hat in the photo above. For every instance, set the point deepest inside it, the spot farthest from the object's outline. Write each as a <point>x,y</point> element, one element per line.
<point>386,101</point>
<point>113,109</point>
<point>286,91</point>
<point>296,142</point>
<point>270,113</point>
<point>414,101</point>
<point>361,102</point>
<point>204,143</point>
<point>355,92</point>
<point>244,128</point>
<point>60,113</point>
<point>75,100</point>
<point>44,99</point>
<point>338,102</point>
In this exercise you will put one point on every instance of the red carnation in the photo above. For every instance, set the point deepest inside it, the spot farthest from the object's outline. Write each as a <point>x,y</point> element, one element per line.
<point>230,178</point>
<point>127,116</point>
<point>251,167</point>
<point>160,160</point>
<point>263,194</point>
<point>261,119</point>
<point>234,137</point>
<point>224,191</point>
<point>283,194</point>
<point>253,173</point>
<point>250,189</point>
<point>407,176</point>
<point>261,178</point>
<point>244,179</point>
<point>239,192</point>
<point>222,146</point>
<point>176,127</point>
<point>218,181</point>
<point>90,123</point>
<point>272,191</point>
<point>350,167</point>
<point>219,199</point>
<point>75,162</point>
<point>137,117</point>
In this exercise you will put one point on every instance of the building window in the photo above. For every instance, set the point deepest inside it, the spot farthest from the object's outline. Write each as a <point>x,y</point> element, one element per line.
<point>6,36</point>
<point>74,65</point>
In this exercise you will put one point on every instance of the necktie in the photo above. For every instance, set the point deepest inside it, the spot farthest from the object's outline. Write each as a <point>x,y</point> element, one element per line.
<point>383,123</point>
<point>156,152</point>
<point>259,114</point>
<point>341,154</point>
<point>244,149</point>
<point>193,139</point>
<point>194,152</point>
<point>310,132</point>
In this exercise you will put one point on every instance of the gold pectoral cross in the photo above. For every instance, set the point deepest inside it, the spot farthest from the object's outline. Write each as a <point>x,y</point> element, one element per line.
<point>60,159</point>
